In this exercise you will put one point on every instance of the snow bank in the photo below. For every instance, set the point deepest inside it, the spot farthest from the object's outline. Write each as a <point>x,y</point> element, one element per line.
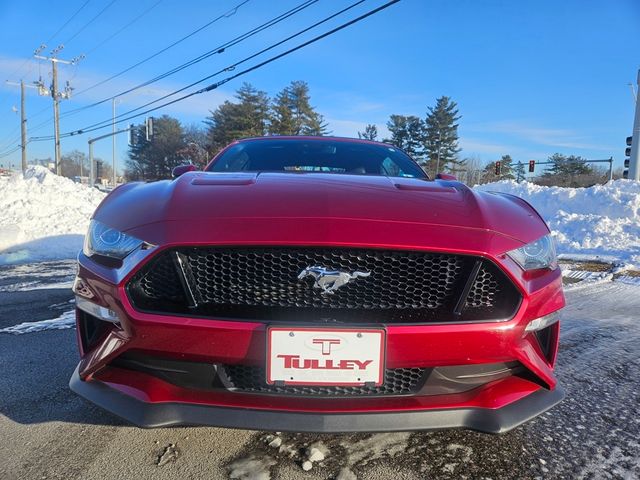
<point>600,221</point>
<point>43,216</point>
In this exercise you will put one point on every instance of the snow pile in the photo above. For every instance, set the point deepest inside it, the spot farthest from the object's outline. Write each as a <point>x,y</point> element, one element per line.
<point>602,221</point>
<point>43,216</point>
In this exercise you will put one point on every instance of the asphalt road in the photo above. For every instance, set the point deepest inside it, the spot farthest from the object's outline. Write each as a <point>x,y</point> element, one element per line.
<point>47,432</point>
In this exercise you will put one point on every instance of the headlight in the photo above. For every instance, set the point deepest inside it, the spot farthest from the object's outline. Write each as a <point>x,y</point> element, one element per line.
<point>538,254</point>
<point>103,240</point>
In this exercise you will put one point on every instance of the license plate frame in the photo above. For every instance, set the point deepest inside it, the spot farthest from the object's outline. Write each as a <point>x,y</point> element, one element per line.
<point>332,356</point>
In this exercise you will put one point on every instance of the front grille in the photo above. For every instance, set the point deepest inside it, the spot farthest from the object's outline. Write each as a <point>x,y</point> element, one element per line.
<point>249,379</point>
<point>262,284</point>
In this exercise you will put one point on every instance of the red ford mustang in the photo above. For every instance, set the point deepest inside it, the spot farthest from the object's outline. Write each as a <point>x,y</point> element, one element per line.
<point>317,284</point>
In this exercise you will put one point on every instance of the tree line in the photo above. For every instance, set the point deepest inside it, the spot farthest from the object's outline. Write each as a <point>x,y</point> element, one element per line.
<point>432,140</point>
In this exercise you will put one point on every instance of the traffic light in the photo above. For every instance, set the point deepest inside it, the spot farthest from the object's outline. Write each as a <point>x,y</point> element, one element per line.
<point>532,166</point>
<point>498,166</point>
<point>132,135</point>
<point>148,123</point>
<point>627,153</point>
<point>99,169</point>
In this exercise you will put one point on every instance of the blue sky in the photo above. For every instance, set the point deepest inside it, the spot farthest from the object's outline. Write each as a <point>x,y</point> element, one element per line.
<point>530,78</point>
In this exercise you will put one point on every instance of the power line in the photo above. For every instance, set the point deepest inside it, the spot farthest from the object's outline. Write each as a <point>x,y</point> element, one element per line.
<point>246,59</point>
<point>227,14</point>
<point>219,49</point>
<point>224,15</point>
<point>89,22</point>
<point>127,25</point>
<point>67,22</point>
<point>6,154</point>
<point>243,72</point>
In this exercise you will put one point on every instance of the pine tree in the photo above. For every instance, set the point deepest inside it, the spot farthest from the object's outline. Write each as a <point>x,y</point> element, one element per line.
<point>564,166</point>
<point>407,133</point>
<point>506,168</point>
<point>249,117</point>
<point>370,132</point>
<point>293,114</point>
<point>519,171</point>
<point>441,136</point>
<point>155,159</point>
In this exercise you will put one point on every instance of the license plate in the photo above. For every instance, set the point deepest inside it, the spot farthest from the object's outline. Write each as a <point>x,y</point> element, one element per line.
<point>323,356</point>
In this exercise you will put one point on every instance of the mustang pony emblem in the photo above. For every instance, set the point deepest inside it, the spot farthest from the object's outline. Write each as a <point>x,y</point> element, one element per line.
<point>330,280</point>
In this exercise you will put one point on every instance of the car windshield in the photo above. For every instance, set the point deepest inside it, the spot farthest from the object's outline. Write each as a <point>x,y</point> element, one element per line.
<point>324,156</point>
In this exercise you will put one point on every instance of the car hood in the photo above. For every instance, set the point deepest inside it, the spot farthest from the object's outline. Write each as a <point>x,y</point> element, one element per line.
<point>211,198</point>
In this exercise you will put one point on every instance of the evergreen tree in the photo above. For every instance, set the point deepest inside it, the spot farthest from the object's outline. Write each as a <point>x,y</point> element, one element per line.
<point>156,158</point>
<point>249,117</point>
<point>506,168</point>
<point>407,133</point>
<point>293,114</point>
<point>441,136</point>
<point>564,166</point>
<point>370,132</point>
<point>519,171</point>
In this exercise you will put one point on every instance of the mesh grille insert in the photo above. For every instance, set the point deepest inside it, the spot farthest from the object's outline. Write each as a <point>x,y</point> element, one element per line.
<point>398,381</point>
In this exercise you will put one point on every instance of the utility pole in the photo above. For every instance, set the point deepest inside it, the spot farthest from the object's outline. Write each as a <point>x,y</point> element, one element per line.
<point>634,157</point>
<point>57,95</point>
<point>23,127</point>
<point>56,115</point>
<point>113,139</point>
<point>23,120</point>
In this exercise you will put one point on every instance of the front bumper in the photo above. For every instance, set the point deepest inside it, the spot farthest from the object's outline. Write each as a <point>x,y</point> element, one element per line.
<point>148,401</point>
<point>168,414</point>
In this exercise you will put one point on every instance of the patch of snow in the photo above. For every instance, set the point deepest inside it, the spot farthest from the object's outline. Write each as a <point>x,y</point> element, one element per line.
<point>628,280</point>
<point>251,468</point>
<point>170,454</point>
<point>64,321</point>
<point>375,447</point>
<point>317,452</point>
<point>307,465</point>
<point>602,222</point>
<point>276,442</point>
<point>44,216</point>
<point>346,474</point>
<point>35,285</point>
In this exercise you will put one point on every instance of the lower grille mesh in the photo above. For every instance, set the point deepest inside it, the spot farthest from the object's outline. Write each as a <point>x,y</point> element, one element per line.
<point>398,381</point>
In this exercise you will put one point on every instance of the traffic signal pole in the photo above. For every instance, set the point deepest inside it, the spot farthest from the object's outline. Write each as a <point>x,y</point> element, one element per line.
<point>92,167</point>
<point>634,158</point>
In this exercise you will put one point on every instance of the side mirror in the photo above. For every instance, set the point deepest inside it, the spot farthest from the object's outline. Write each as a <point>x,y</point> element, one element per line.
<point>446,176</point>
<point>182,169</point>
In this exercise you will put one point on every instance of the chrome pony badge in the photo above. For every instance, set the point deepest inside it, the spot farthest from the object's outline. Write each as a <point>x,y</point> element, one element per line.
<point>330,280</point>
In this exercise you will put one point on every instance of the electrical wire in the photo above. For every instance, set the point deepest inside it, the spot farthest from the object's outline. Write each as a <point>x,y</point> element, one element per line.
<point>227,14</point>
<point>213,86</point>
<point>121,29</point>
<point>219,49</point>
<point>246,59</point>
<point>6,154</point>
<point>67,22</point>
<point>116,75</point>
<point>89,22</point>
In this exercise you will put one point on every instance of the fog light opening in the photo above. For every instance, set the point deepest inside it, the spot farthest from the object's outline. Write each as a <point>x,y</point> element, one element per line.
<point>542,323</point>
<point>98,311</point>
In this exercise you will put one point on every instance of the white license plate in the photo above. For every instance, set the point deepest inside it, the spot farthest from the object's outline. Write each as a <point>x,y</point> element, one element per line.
<point>323,356</point>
